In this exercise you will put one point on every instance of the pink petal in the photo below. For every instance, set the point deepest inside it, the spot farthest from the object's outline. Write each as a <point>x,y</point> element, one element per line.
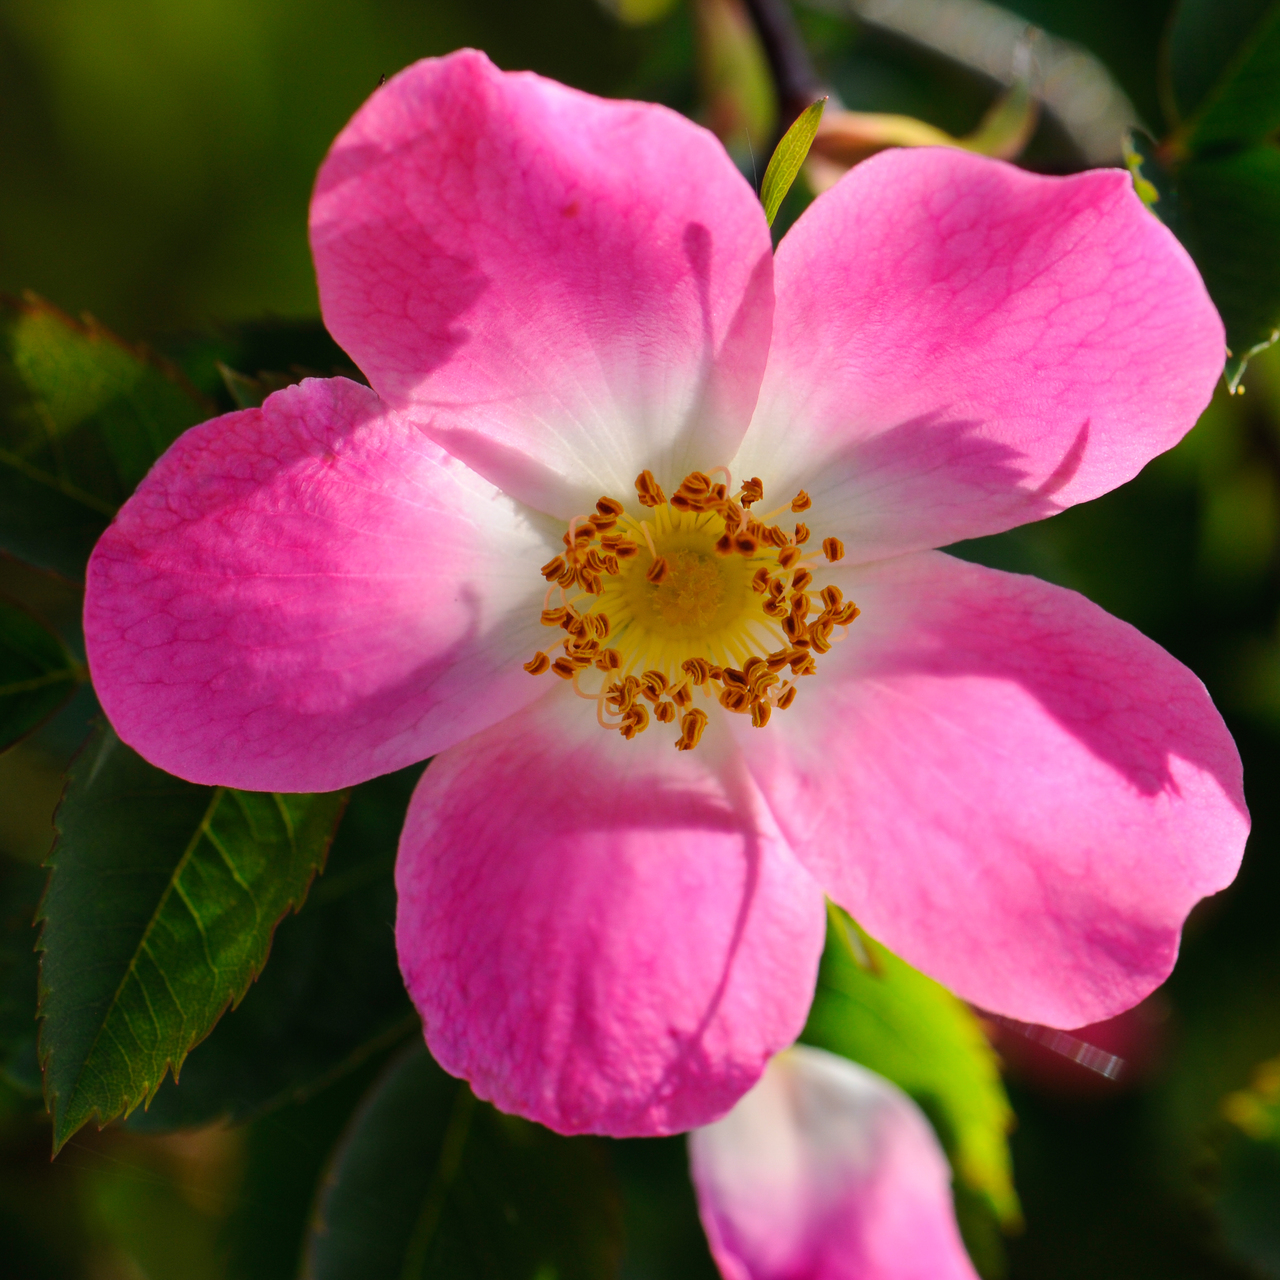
<point>1016,792</point>
<point>567,290</point>
<point>602,935</point>
<point>302,596</point>
<point>826,1171</point>
<point>961,346</point>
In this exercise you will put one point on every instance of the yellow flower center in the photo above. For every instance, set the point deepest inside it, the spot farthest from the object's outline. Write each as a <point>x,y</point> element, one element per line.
<point>699,597</point>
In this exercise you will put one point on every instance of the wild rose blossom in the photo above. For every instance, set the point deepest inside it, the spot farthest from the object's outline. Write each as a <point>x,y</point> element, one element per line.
<point>600,410</point>
<point>826,1171</point>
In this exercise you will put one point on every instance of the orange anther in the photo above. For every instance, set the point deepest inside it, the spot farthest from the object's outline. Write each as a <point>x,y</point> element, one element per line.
<point>553,568</point>
<point>564,668</point>
<point>833,549</point>
<point>802,534</point>
<point>665,712</point>
<point>635,719</point>
<point>786,697</point>
<point>653,684</point>
<point>692,723</point>
<point>735,699</point>
<point>831,597</point>
<point>760,713</point>
<point>609,660</point>
<point>682,694</point>
<point>699,670</point>
<point>801,502</point>
<point>649,491</point>
<point>724,545</point>
<point>538,664</point>
<point>657,571</point>
<point>609,507</point>
<point>788,556</point>
<point>752,491</point>
<point>554,617</point>
<point>800,605</point>
<point>745,545</point>
<point>801,579</point>
<point>760,581</point>
<point>602,524</point>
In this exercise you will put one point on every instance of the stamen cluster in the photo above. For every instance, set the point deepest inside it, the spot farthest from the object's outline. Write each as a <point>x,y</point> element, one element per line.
<point>597,547</point>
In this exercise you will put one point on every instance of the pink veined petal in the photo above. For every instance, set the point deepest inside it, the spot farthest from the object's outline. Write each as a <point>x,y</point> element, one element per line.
<point>566,290</point>
<point>600,935</point>
<point>826,1171</point>
<point>1016,792</point>
<point>305,595</point>
<point>961,346</point>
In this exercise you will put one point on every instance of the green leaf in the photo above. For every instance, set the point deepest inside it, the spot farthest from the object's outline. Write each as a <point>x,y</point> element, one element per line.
<point>1229,208</point>
<point>20,887</point>
<point>875,1009</point>
<point>1223,73</point>
<point>784,165</point>
<point>330,999</point>
<point>1249,1172</point>
<point>162,901</point>
<point>82,418</point>
<point>431,1182</point>
<point>37,674</point>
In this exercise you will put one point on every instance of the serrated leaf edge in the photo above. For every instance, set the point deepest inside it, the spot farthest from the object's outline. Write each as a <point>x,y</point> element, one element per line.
<point>44,1052</point>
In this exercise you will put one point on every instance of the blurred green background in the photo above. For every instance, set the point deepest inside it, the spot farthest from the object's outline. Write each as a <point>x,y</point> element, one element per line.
<point>155,168</point>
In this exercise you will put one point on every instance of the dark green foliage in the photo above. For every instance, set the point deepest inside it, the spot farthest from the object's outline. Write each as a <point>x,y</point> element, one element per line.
<point>331,997</point>
<point>37,674</point>
<point>1215,181</point>
<point>1223,72</point>
<point>162,901</point>
<point>1230,210</point>
<point>429,1181</point>
<point>82,418</point>
<point>20,888</point>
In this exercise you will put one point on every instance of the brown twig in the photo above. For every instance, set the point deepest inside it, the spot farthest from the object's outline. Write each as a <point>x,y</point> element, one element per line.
<point>794,75</point>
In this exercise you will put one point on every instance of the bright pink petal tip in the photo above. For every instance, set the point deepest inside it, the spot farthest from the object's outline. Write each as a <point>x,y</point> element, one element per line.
<point>602,935</point>
<point>961,346</point>
<point>826,1171</point>
<point>305,595</point>
<point>1016,792</point>
<point>566,290</point>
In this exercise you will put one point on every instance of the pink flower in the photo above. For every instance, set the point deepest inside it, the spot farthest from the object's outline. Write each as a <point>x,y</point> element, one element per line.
<point>826,1171</point>
<point>551,295</point>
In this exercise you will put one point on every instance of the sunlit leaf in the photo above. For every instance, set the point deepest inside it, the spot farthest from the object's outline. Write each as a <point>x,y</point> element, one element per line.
<point>37,674</point>
<point>787,159</point>
<point>82,418</point>
<point>330,999</point>
<point>162,902</point>
<point>431,1182</point>
<point>875,1009</point>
